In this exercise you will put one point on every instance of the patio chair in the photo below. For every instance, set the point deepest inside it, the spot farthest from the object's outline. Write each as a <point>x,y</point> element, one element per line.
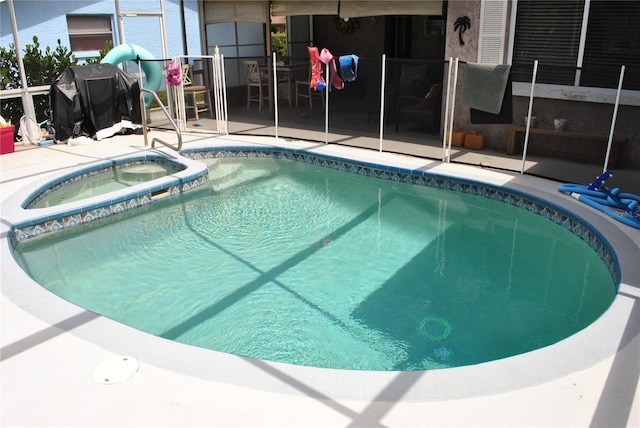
<point>193,91</point>
<point>255,79</point>
<point>304,90</point>
<point>421,110</point>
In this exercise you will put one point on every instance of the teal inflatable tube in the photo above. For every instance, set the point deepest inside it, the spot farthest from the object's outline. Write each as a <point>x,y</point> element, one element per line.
<point>151,68</point>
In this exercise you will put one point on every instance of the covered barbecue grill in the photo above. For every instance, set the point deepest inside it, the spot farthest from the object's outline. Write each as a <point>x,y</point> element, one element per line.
<point>95,101</point>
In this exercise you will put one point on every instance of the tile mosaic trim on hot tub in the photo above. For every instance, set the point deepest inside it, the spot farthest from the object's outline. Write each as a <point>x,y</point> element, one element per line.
<point>57,218</point>
<point>93,170</point>
<point>528,202</point>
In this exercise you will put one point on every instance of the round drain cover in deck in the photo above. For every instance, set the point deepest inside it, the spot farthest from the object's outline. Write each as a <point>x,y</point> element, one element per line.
<point>115,369</point>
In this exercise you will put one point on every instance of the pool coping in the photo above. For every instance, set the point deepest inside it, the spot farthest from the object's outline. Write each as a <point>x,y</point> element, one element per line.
<point>584,349</point>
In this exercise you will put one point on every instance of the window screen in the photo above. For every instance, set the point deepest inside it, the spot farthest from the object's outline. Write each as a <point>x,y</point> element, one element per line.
<point>613,39</point>
<point>549,31</point>
<point>552,31</point>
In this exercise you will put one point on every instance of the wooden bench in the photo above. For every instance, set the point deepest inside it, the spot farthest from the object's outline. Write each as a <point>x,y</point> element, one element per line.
<point>515,129</point>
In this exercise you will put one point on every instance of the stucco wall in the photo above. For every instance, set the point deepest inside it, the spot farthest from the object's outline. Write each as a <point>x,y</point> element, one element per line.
<point>468,51</point>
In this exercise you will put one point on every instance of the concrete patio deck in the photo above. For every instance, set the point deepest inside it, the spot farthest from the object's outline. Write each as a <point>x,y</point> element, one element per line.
<point>50,348</point>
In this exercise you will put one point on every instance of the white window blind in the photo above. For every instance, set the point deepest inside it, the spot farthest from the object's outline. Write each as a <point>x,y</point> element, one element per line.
<point>549,31</point>
<point>572,52</point>
<point>613,39</point>
<point>359,8</point>
<point>89,24</point>
<point>216,12</point>
<point>493,24</point>
<point>297,7</point>
<point>89,32</point>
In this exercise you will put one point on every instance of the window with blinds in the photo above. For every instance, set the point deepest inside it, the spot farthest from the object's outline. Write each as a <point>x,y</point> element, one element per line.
<point>89,32</point>
<point>613,39</point>
<point>572,52</point>
<point>549,31</point>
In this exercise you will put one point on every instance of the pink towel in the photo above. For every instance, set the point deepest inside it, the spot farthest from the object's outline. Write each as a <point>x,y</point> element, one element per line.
<point>327,58</point>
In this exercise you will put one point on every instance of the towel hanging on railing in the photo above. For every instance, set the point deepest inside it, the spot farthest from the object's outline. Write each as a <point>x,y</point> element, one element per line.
<point>347,73</point>
<point>349,67</point>
<point>505,115</point>
<point>174,72</point>
<point>317,81</point>
<point>327,58</point>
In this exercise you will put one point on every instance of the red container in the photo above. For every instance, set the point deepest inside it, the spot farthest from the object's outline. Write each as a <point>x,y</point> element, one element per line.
<point>6,140</point>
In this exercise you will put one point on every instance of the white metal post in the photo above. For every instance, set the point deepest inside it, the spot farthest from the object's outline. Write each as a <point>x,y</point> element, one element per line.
<point>27,99</point>
<point>447,137</point>
<point>528,124</point>
<point>224,92</point>
<point>613,120</point>
<point>163,31</point>
<point>382,88</point>
<point>453,106</point>
<point>275,90</point>
<point>326,105</point>
<point>217,92</point>
<point>120,23</point>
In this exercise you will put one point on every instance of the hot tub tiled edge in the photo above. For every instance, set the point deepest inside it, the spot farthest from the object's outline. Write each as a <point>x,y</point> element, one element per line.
<point>30,223</point>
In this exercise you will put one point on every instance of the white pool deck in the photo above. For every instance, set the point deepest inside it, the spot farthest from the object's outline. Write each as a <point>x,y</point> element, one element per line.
<point>50,348</point>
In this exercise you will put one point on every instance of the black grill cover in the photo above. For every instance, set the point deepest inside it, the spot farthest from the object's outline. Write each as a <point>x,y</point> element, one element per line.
<point>89,98</point>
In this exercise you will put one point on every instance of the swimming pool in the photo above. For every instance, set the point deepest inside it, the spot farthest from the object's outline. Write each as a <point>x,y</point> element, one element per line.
<point>582,355</point>
<point>431,328</point>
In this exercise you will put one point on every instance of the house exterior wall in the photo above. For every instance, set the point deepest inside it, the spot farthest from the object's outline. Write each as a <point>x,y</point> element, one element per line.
<point>582,116</point>
<point>46,19</point>
<point>49,24</point>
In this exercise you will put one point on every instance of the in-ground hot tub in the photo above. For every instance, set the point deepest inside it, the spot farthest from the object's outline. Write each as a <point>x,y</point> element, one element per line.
<point>102,178</point>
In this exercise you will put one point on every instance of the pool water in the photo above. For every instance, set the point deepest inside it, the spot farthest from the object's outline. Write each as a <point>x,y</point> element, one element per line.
<point>291,262</point>
<point>103,182</point>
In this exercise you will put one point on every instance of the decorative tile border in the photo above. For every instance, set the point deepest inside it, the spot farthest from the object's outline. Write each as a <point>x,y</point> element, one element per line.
<point>521,200</point>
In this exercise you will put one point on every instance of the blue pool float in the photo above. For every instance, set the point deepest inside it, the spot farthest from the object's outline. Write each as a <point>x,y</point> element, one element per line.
<point>151,67</point>
<point>621,206</point>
